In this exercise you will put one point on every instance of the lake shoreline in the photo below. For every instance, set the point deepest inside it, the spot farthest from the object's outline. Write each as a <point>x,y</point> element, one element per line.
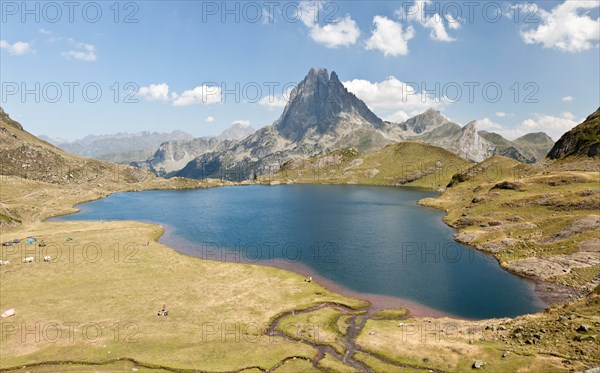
<point>378,301</point>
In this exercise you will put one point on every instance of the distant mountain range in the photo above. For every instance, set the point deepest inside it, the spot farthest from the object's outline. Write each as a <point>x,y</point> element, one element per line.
<point>320,116</point>
<point>119,148</point>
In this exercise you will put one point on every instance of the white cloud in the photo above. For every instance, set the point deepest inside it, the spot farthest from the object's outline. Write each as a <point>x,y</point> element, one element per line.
<point>341,32</point>
<point>45,32</point>
<point>202,94</point>
<point>391,98</point>
<point>240,122</point>
<point>421,12</point>
<point>567,99</point>
<point>500,114</point>
<point>389,38</point>
<point>155,92</point>
<point>84,52</point>
<point>566,27</point>
<point>17,49</point>
<point>397,117</point>
<point>272,102</point>
<point>209,119</point>
<point>488,125</point>
<point>553,126</point>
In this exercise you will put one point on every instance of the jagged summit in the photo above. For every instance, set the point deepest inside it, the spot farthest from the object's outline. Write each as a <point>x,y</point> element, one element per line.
<point>318,103</point>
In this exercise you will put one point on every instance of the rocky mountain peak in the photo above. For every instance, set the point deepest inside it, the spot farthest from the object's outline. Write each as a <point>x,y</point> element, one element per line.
<point>334,78</point>
<point>472,146</point>
<point>424,122</point>
<point>319,104</point>
<point>470,127</point>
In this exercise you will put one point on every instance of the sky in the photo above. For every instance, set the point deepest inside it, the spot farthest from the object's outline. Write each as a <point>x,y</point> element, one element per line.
<point>70,69</point>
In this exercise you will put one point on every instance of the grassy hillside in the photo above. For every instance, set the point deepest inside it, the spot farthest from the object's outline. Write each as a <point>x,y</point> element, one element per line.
<point>405,163</point>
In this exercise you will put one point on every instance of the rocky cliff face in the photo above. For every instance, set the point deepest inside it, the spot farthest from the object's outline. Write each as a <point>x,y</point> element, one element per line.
<point>581,141</point>
<point>470,145</point>
<point>321,115</point>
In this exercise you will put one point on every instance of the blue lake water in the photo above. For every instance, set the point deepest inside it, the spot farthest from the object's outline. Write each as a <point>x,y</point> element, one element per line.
<point>373,240</point>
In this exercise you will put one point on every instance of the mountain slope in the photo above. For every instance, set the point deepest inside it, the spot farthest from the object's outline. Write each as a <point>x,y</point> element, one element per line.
<point>506,147</point>
<point>404,163</point>
<point>582,141</point>
<point>534,145</point>
<point>24,155</point>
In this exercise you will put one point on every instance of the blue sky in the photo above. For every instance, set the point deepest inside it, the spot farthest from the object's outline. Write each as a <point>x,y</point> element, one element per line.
<point>200,66</point>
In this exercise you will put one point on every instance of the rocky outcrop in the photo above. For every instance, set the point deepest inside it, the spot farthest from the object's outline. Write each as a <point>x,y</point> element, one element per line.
<point>581,141</point>
<point>5,118</point>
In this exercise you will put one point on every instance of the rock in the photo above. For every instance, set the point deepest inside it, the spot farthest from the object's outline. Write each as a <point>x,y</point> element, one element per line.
<point>505,354</point>
<point>501,327</point>
<point>583,338</point>
<point>478,364</point>
<point>508,185</point>
<point>495,223</point>
<point>537,336</point>
<point>478,199</point>
<point>583,328</point>
<point>371,173</point>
